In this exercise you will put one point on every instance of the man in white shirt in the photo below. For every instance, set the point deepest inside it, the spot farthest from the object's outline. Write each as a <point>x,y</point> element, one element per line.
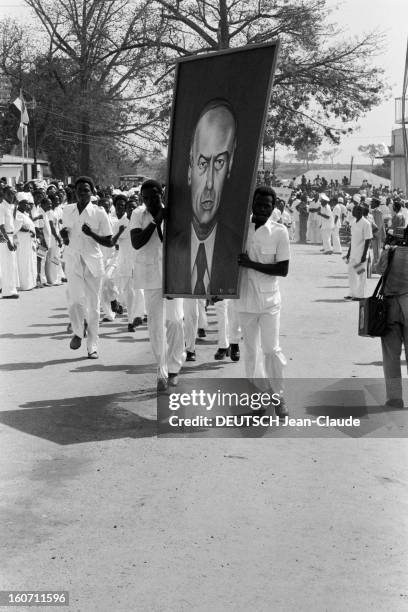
<point>266,258</point>
<point>326,216</point>
<point>335,234</point>
<point>8,259</point>
<point>147,237</point>
<point>85,227</point>
<point>313,222</point>
<point>124,270</point>
<point>361,234</point>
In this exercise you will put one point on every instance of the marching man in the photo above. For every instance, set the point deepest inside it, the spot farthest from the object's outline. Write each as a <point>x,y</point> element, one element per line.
<point>164,317</point>
<point>266,258</point>
<point>85,227</point>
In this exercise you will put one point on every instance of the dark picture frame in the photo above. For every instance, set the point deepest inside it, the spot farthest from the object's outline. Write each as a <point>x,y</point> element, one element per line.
<point>233,86</point>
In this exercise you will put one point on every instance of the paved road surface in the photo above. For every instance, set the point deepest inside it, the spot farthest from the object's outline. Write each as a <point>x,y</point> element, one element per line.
<point>92,502</point>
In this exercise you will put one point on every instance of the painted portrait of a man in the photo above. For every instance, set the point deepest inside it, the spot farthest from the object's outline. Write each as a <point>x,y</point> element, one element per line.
<point>215,141</point>
<point>211,159</point>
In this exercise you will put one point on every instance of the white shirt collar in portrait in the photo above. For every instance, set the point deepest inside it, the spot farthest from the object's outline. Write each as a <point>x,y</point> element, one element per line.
<point>209,251</point>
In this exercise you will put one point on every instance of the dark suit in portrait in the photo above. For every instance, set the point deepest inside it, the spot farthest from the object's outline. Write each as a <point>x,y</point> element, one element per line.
<point>222,278</point>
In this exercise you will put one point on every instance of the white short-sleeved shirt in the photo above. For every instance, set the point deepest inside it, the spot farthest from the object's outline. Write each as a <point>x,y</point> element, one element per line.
<point>81,245</point>
<point>127,253</point>
<point>23,220</point>
<point>337,212</point>
<point>360,232</point>
<point>326,223</point>
<point>6,216</point>
<point>147,264</point>
<point>259,292</point>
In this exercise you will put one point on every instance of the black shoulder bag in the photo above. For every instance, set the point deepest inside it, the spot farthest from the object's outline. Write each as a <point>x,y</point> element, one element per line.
<point>372,315</point>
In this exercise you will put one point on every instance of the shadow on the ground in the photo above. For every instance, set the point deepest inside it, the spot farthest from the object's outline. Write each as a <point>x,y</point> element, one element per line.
<point>332,301</point>
<point>36,365</point>
<point>77,420</point>
<point>62,324</point>
<point>209,365</point>
<point>127,339</point>
<point>375,363</point>
<point>59,316</point>
<point>334,287</point>
<point>338,276</point>
<point>28,336</point>
<point>126,368</point>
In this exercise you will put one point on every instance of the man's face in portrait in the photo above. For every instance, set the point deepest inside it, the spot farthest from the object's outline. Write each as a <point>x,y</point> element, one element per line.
<point>211,158</point>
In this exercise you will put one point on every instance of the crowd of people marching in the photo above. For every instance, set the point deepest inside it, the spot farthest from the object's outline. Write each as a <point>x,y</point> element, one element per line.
<point>42,229</point>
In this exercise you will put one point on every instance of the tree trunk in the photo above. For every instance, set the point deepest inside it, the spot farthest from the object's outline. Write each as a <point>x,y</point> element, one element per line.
<point>85,152</point>
<point>223,30</point>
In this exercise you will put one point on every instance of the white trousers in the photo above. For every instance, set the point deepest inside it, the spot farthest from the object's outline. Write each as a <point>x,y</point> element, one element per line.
<point>229,331</point>
<point>357,281</point>
<point>335,238</point>
<point>168,349</point>
<point>126,295</point>
<point>263,356</point>
<point>139,307</point>
<point>109,288</point>
<point>84,296</point>
<point>194,317</point>
<point>190,323</point>
<point>313,229</point>
<point>202,315</point>
<point>9,273</point>
<point>326,237</point>
<point>53,268</point>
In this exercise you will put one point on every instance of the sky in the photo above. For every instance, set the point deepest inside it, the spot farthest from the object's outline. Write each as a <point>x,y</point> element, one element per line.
<point>354,17</point>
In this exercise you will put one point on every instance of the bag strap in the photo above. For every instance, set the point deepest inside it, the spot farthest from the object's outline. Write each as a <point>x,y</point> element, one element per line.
<point>379,290</point>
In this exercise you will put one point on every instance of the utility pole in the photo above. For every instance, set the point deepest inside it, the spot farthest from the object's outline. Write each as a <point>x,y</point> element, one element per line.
<point>351,169</point>
<point>404,123</point>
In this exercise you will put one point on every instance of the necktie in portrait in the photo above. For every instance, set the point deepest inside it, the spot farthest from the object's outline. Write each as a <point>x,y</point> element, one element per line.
<point>201,266</point>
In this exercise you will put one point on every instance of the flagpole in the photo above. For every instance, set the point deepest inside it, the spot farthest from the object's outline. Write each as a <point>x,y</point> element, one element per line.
<point>22,134</point>
<point>404,122</point>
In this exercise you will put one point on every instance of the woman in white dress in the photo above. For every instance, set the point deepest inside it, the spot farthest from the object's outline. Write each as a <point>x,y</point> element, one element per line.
<point>26,251</point>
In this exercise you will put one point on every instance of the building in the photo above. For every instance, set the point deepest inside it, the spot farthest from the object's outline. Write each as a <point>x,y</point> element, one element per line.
<point>398,157</point>
<point>15,169</point>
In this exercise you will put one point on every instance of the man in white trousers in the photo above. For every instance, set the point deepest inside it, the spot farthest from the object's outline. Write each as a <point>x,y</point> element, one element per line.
<point>164,317</point>
<point>361,234</point>
<point>335,235</point>
<point>85,227</point>
<point>8,259</point>
<point>326,216</point>
<point>266,258</point>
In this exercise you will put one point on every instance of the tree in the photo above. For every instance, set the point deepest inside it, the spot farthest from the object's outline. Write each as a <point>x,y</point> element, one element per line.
<point>99,58</point>
<point>372,151</point>
<point>306,146</point>
<point>307,154</point>
<point>331,154</point>
<point>321,80</point>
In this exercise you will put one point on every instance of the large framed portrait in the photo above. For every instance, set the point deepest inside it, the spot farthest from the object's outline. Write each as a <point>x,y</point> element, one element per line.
<point>219,111</point>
